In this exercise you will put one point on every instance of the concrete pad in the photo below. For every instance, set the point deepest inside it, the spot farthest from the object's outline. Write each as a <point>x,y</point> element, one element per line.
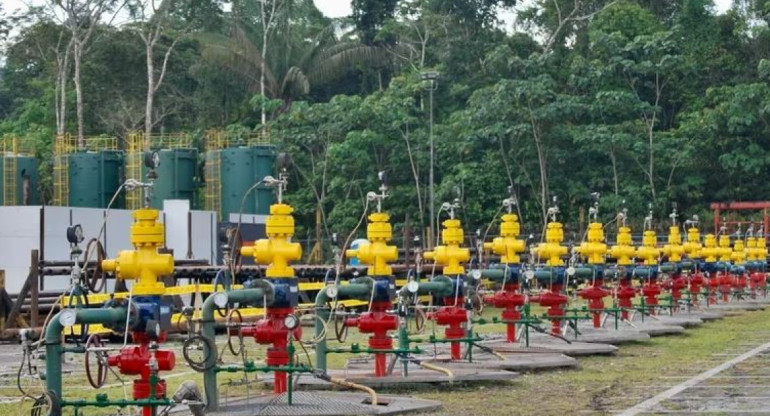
<point>651,328</point>
<point>516,361</point>
<point>605,335</point>
<point>683,321</point>
<point>735,306</point>
<point>546,343</point>
<point>364,374</point>
<point>322,403</point>
<point>701,314</point>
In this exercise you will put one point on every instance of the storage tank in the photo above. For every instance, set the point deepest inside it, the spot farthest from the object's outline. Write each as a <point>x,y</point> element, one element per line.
<point>18,178</point>
<point>232,171</point>
<point>93,178</point>
<point>177,176</point>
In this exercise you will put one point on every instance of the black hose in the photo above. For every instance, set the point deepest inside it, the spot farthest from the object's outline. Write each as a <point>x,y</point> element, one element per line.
<point>199,366</point>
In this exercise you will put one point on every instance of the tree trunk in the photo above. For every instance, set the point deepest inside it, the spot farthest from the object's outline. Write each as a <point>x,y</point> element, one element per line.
<point>61,91</point>
<point>78,56</point>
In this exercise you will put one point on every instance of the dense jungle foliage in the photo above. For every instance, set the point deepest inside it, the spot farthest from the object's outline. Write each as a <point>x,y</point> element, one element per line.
<point>645,101</point>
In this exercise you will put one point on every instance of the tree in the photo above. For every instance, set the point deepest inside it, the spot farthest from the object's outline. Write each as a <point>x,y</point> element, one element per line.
<point>311,62</point>
<point>81,18</point>
<point>370,16</point>
<point>171,19</point>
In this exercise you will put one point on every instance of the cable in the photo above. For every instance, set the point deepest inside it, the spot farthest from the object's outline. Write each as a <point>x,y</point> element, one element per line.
<point>489,227</point>
<point>231,266</point>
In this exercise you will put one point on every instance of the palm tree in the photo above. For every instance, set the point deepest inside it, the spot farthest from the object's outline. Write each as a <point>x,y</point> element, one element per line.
<point>296,65</point>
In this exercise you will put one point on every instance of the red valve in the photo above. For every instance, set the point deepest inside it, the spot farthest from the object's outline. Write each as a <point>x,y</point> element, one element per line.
<point>625,294</point>
<point>377,322</point>
<point>740,282</point>
<point>554,301</point>
<point>595,295</point>
<point>135,359</point>
<point>713,284</point>
<point>272,330</point>
<point>696,282</point>
<point>510,301</point>
<point>676,285</point>
<point>757,280</point>
<point>650,291</point>
<point>725,285</point>
<point>453,317</point>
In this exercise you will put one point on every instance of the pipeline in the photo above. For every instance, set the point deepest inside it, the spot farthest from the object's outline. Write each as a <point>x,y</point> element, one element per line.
<point>359,287</point>
<point>53,347</point>
<point>208,323</point>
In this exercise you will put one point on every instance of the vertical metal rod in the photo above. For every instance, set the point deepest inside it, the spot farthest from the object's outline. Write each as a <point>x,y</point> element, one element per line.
<point>34,271</point>
<point>431,243</point>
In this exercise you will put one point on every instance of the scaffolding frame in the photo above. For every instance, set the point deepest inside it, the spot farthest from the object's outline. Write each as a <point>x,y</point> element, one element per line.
<point>64,145</point>
<point>216,140</point>
<point>12,148</point>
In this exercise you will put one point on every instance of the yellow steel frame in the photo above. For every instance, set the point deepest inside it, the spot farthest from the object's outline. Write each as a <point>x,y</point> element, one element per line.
<point>10,167</point>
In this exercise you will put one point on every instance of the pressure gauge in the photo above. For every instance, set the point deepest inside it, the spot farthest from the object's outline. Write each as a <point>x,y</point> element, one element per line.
<point>75,234</point>
<point>152,160</point>
<point>412,286</point>
<point>570,271</point>
<point>529,274</point>
<point>332,291</point>
<point>221,299</point>
<point>291,322</point>
<point>476,274</point>
<point>68,317</point>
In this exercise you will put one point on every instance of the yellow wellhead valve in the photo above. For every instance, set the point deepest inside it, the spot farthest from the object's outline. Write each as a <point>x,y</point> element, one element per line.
<point>143,264</point>
<point>276,250</point>
<point>450,255</point>
<point>507,246</point>
<point>377,253</point>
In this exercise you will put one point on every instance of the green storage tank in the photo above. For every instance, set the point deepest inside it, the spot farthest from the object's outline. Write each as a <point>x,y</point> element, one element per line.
<point>18,176</point>
<point>239,169</point>
<point>177,176</point>
<point>94,177</point>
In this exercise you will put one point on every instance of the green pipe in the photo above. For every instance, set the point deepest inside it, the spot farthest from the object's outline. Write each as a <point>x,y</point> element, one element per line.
<point>586,273</point>
<point>53,345</point>
<point>439,286</point>
<point>242,296</point>
<point>359,287</point>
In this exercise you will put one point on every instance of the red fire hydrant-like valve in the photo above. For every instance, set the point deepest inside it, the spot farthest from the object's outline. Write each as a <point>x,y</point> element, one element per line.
<point>377,322</point>
<point>696,282</point>
<point>677,284</point>
<point>625,293</point>
<point>595,295</point>
<point>758,280</point>
<point>272,330</point>
<point>555,302</point>
<point>137,360</point>
<point>740,282</point>
<point>713,285</point>
<point>650,292</point>
<point>510,301</point>
<point>453,317</point>
<point>725,285</point>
